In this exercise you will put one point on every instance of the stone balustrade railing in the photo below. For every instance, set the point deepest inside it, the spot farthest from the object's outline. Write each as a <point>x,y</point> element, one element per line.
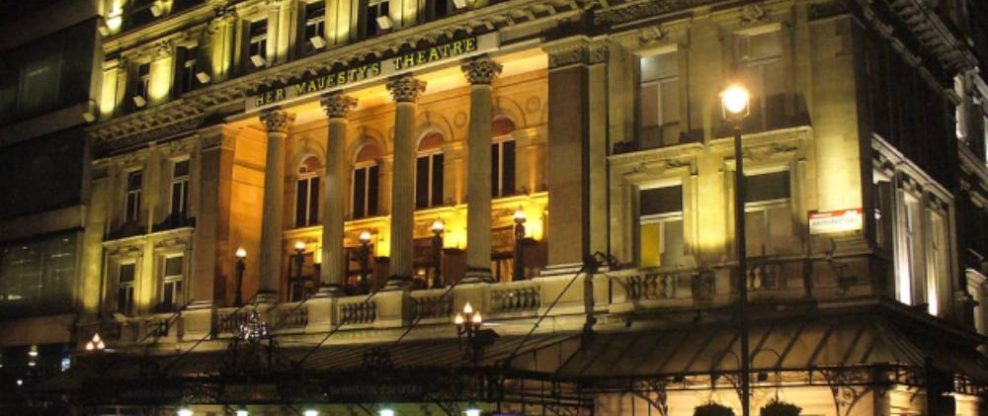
<point>436,304</point>
<point>516,297</point>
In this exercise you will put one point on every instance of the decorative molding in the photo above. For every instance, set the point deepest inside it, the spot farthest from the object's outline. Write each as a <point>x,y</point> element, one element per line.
<point>650,35</point>
<point>277,120</point>
<point>642,9</point>
<point>163,49</point>
<point>579,50</point>
<point>825,10</point>
<point>752,13</point>
<point>337,104</point>
<point>481,71</point>
<point>405,88</point>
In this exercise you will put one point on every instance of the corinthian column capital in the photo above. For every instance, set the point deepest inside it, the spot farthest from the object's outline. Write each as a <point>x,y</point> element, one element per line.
<point>337,105</point>
<point>277,120</point>
<point>406,88</point>
<point>481,71</point>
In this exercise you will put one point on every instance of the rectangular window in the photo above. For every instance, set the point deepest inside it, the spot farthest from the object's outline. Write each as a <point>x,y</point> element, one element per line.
<point>40,84</point>
<point>938,269</point>
<point>503,168</point>
<point>171,278</point>
<point>661,234</point>
<point>763,71</point>
<point>37,276</point>
<point>180,188</point>
<point>315,23</point>
<point>442,8</point>
<point>768,218</point>
<point>142,84</point>
<point>257,42</point>
<point>365,191</point>
<point>126,274</point>
<point>429,181</point>
<point>132,207</point>
<point>377,9</point>
<point>307,201</point>
<point>659,101</point>
<point>187,78</point>
<point>908,283</point>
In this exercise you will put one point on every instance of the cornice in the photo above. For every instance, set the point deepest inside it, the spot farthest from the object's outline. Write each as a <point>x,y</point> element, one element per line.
<point>642,9</point>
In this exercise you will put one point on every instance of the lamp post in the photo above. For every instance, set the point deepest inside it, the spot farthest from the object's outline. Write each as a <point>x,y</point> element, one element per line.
<point>299,258</point>
<point>238,299</point>
<point>519,269</point>
<point>364,284</point>
<point>95,344</point>
<point>735,101</point>
<point>437,251</point>
<point>468,323</point>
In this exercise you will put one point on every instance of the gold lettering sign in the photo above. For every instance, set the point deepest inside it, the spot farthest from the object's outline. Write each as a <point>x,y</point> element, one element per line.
<point>366,71</point>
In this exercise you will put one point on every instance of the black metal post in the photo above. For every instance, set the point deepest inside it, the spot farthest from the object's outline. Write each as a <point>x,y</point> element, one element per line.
<point>519,269</point>
<point>364,267</point>
<point>299,283</point>
<point>238,299</point>
<point>740,241</point>
<point>437,252</point>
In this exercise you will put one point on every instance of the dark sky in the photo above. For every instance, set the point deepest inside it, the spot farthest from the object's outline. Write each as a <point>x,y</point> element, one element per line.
<point>13,9</point>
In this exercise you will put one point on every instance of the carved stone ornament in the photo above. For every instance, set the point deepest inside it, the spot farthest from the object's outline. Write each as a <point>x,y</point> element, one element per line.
<point>577,53</point>
<point>481,71</point>
<point>163,49</point>
<point>642,9</point>
<point>276,120</point>
<point>751,13</point>
<point>337,104</point>
<point>647,36</point>
<point>405,88</point>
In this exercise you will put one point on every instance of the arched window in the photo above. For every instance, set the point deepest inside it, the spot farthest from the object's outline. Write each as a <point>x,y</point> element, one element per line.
<point>429,172</point>
<point>307,193</point>
<point>502,158</point>
<point>365,183</point>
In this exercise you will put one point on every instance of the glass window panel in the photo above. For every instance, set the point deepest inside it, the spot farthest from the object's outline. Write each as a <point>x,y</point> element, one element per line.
<point>422,182</point>
<point>437,180</point>
<point>496,169</point>
<point>372,191</point>
<point>659,66</point>
<point>767,187</point>
<point>650,105</point>
<point>508,168</point>
<point>134,181</point>
<point>40,83</point>
<point>173,266</point>
<point>651,255</point>
<point>661,200</point>
<point>765,45</point>
<point>756,233</point>
<point>127,272</point>
<point>313,201</point>
<point>359,193</point>
<point>301,202</point>
<point>670,102</point>
<point>673,248</point>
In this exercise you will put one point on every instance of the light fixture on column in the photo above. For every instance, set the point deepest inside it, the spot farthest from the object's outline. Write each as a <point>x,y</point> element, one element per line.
<point>184,411</point>
<point>241,257</point>
<point>386,411</point>
<point>95,344</point>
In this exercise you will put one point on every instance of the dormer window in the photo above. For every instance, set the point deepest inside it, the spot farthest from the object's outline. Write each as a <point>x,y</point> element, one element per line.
<point>315,24</point>
<point>257,43</point>
<point>378,17</point>
<point>142,85</point>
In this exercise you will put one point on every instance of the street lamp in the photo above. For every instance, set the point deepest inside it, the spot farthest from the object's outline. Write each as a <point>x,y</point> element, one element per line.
<point>468,325</point>
<point>519,270</point>
<point>242,411</point>
<point>310,412</point>
<point>95,344</point>
<point>472,410</point>
<point>735,100</point>
<point>437,250</point>
<point>365,239</point>
<point>184,411</point>
<point>241,254</point>
<point>299,258</point>
<point>386,411</point>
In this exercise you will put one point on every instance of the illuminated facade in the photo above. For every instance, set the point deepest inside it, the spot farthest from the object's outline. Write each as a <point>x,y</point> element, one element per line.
<point>563,166</point>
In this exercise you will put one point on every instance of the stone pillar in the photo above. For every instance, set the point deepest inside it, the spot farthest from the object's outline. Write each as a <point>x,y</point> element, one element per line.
<point>405,90</point>
<point>332,273</point>
<point>276,121</point>
<point>480,73</point>
<point>576,135</point>
<point>215,172</point>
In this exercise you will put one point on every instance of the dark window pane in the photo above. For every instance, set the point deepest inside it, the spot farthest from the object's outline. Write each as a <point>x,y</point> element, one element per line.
<point>422,182</point>
<point>134,181</point>
<point>508,165</point>
<point>127,273</point>
<point>437,180</point>
<point>767,187</point>
<point>301,202</point>
<point>313,201</point>
<point>495,169</point>
<point>359,193</point>
<point>173,266</point>
<point>661,200</point>
<point>372,191</point>
<point>178,194</point>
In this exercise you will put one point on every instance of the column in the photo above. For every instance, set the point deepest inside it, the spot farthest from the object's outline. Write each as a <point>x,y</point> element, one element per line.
<point>276,121</point>
<point>577,225</point>
<point>215,173</point>
<point>405,90</point>
<point>480,73</point>
<point>332,274</point>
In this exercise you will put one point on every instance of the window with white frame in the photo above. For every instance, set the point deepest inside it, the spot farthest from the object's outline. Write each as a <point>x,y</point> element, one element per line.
<point>132,205</point>
<point>938,269</point>
<point>660,222</point>
<point>257,42</point>
<point>364,197</point>
<point>39,83</point>
<point>180,188</point>
<point>172,273</point>
<point>763,72</point>
<point>659,100</point>
<point>307,193</point>
<point>126,277</point>
<point>188,69</point>
<point>378,12</point>
<point>315,26</point>
<point>429,179</point>
<point>769,226</point>
<point>142,85</point>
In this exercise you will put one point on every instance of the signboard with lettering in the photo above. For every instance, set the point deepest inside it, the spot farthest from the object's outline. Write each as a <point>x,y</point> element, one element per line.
<point>839,221</point>
<point>373,70</point>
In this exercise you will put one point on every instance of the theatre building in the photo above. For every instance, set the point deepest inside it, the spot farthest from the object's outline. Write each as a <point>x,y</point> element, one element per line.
<point>391,207</point>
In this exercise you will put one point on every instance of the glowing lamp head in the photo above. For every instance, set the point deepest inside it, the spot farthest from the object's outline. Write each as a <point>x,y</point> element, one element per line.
<point>241,253</point>
<point>299,245</point>
<point>386,411</point>
<point>735,100</point>
<point>472,410</point>
<point>459,320</point>
<point>519,216</point>
<point>438,226</point>
<point>365,237</point>
<point>242,412</point>
<point>185,411</point>
<point>476,319</point>
<point>310,412</point>
<point>467,309</point>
